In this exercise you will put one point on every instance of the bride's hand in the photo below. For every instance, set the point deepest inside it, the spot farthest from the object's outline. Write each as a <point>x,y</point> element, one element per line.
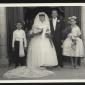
<point>48,35</point>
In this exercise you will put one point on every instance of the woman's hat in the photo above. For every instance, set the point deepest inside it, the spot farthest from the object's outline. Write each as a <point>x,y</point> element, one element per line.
<point>72,18</point>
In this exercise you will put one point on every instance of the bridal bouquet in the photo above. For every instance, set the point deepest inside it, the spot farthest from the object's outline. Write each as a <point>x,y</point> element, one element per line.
<point>73,39</point>
<point>73,45</point>
<point>48,35</point>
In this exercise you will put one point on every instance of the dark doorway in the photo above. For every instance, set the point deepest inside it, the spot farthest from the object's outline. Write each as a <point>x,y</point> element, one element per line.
<point>31,12</point>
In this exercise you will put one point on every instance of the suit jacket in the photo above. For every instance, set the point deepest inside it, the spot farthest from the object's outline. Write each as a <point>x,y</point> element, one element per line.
<point>57,33</point>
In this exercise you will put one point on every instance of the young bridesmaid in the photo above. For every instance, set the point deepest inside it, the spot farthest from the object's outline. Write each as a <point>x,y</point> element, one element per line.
<point>73,45</point>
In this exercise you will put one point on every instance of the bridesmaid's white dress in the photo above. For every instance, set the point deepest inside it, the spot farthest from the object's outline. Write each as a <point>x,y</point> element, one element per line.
<point>40,53</point>
<point>79,47</point>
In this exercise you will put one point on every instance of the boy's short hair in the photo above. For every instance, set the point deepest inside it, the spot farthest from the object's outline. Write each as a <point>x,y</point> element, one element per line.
<point>20,22</point>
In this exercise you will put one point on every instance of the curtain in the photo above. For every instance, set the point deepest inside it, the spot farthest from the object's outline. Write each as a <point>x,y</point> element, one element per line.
<point>13,14</point>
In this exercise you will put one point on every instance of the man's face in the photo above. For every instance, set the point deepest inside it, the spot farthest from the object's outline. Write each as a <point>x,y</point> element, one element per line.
<point>54,14</point>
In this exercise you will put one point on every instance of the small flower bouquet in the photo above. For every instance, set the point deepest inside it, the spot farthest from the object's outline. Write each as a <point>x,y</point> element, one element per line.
<point>73,39</point>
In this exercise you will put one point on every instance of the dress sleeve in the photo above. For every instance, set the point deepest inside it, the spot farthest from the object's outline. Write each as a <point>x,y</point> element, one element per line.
<point>25,41</point>
<point>13,39</point>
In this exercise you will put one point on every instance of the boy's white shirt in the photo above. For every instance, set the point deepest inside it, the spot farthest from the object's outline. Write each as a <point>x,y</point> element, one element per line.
<point>19,35</point>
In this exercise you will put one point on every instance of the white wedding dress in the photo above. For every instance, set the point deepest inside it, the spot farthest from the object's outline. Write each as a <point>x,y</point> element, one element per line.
<point>41,52</point>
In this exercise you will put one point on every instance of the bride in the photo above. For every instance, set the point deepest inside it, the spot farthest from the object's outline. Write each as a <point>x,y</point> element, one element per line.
<point>41,51</point>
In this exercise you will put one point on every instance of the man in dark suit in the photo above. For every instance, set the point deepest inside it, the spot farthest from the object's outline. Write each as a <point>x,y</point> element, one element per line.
<point>56,32</point>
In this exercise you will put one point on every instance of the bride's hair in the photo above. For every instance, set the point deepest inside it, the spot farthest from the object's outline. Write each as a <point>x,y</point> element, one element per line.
<point>42,15</point>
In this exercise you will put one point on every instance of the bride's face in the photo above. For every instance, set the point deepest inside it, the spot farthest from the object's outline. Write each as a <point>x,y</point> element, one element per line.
<point>42,18</point>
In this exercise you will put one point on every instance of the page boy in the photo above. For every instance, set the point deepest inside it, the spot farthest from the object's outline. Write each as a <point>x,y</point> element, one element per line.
<point>19,44</point>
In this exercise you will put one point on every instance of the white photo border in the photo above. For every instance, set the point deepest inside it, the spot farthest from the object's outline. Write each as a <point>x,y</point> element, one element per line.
<point>41,5</point>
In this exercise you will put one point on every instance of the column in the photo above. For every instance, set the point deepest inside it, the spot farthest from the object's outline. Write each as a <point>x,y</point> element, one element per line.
<point>83,23</point>
<point>83,26</point>
<point>3,37</point>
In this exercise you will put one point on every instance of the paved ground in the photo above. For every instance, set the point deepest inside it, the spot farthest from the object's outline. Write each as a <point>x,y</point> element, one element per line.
<point>60,73</point>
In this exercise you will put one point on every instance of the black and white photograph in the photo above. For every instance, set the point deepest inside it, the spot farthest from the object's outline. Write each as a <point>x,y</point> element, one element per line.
<point>42,42</point>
